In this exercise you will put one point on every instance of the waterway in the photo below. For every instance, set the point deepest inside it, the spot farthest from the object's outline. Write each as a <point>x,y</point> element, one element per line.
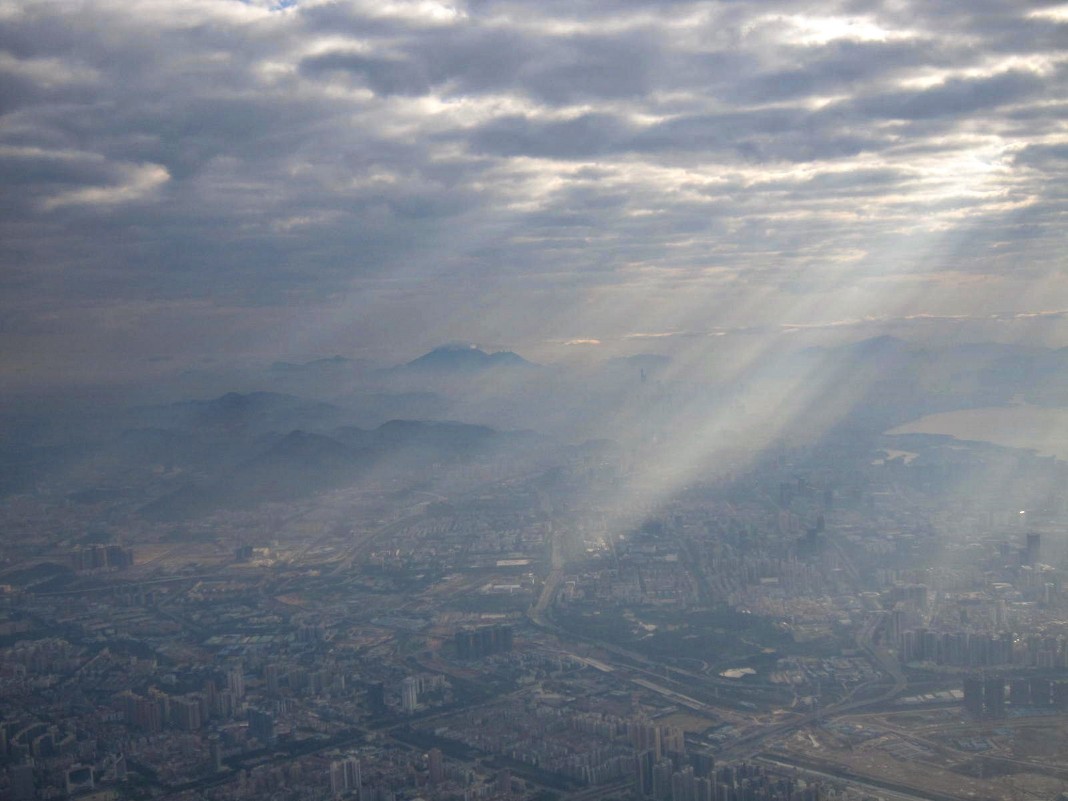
<point>1041,429</point>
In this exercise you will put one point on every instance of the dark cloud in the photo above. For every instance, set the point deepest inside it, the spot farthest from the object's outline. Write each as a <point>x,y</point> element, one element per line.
<point>222,151</point>
<point>841,66</point>
<point>384,76</point>
<point>955,98</point>
<point>1055,156</point>
<point>584,137</point>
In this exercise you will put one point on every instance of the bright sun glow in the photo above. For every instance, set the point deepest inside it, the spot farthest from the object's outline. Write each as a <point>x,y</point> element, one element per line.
<point>816,30</point>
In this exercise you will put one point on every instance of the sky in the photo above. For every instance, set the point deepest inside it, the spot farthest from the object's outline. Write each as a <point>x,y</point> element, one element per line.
<point>211,181</point>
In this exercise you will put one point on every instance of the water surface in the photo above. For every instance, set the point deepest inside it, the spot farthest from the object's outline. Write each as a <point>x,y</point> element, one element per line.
<point>1038,428</point>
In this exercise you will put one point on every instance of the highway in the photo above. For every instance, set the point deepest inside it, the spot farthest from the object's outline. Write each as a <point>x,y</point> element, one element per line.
<point>631,665</point>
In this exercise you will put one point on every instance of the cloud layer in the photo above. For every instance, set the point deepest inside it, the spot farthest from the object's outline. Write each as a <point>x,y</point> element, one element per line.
<point>223,178</point>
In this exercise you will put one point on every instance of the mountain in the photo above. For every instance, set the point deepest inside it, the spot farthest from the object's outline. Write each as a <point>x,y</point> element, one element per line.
<point>251,413</point>
<point>371,409</point>
<point>296,465</point>
<point>442,438</point>
<point>465,358</point>
<point>300,464</point>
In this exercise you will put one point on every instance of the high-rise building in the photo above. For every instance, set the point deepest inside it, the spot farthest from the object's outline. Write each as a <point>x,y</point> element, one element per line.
<point>376,697</point>
<point>350,767</point>
<point>409,694</point>
<point>646,761</point>
<point>225,704</point>
<point>261,725</point>
<point>973,696</point>
<point>673,740</point>
<point>271,678</point>
<point>345,778</point>
<point>23,786</point>
<point>504,782</point>
<point>994,697</point>
<point>662,773</point>
<point>1060,695</point>
<point>1041,692</point>
<point>98,557</point>
<point>646,737</point>
<point>436,766</point>
<point>1020,692</point>
<point>1033,548</point>
<point>683,785</point>
<point>144,713</point>
<point>703,764</point>
<point>216,752</point>
<point>337,779</point>
<point>486,641</point>
<point>235,681</point>
<point>185,712</point>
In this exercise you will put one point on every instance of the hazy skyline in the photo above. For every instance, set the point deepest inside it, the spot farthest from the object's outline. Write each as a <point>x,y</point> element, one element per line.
<point>210,181</point>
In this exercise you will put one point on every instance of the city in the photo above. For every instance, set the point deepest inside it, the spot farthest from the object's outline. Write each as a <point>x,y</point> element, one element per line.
<point>533,400</point>
<point>801,629</point>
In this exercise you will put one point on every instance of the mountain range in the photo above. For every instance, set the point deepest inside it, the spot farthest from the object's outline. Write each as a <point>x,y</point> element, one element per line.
<point>301,463</point>
<point>342,420</point>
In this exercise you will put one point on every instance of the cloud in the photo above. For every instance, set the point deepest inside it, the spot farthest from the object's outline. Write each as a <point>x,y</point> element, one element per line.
<point>1039,155</point>
<point>656,334</point>
<point>447,162</point>
<point>955,98</point>
<point>135,182</point>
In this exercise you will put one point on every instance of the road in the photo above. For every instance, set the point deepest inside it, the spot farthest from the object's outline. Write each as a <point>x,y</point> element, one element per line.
<point>884,791</point>
<point>752,742</point>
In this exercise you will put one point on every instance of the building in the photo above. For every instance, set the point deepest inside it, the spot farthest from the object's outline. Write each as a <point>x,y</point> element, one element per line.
<point>235,682</point>
<point>481,642</point>
<point>410,694</point>
<point>185,712</point>
<point>973,696</point>
<point>1033,549</point>
<point>23,787</point>
<point>345,777</point>
<point>101,557</point>
<point>994,697</point>
<point>79,779</point>
<point>144,713</point>
<point>271,678</point>
<point>261,725</point>
<point>436,766</point>
<point>376,697</point>
<point>216,752</point>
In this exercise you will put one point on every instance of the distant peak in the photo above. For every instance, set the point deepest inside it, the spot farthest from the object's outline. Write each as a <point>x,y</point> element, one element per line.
<point>451,347</point>
<point>463,356</point>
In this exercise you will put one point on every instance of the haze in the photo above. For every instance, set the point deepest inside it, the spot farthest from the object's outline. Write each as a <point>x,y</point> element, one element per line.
<point>405,400</point>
